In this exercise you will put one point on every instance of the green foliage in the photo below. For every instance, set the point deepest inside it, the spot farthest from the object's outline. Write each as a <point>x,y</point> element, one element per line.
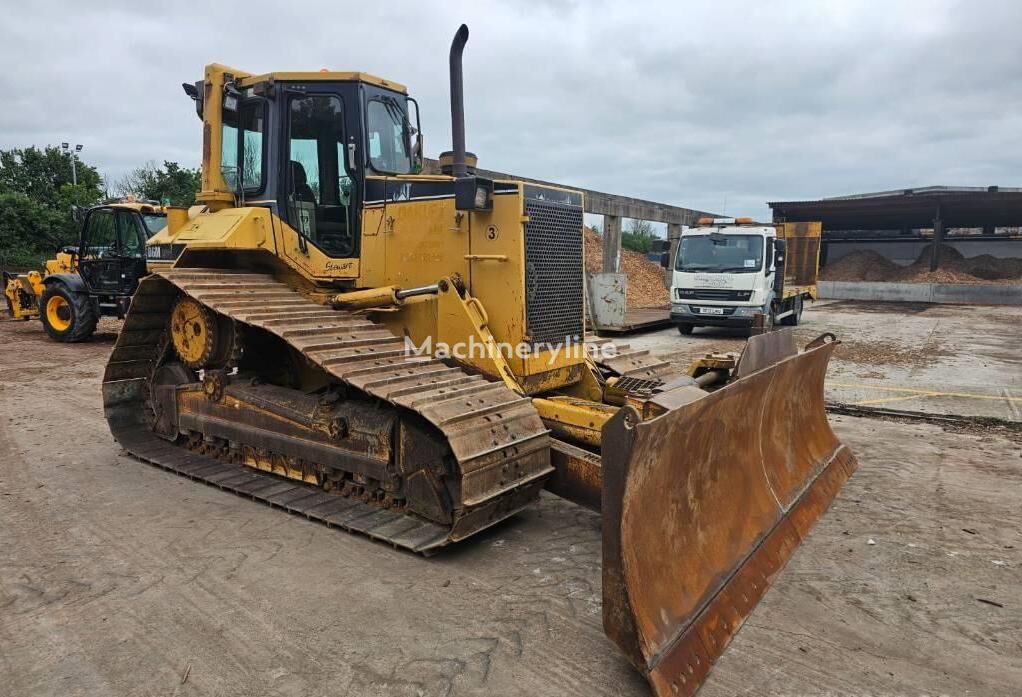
<point>169,182</point>
<point>36,198</point>
<point>639,236</point>
<point>30,232</point>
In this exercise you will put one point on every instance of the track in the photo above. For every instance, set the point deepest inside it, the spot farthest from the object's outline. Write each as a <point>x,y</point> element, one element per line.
<point>495,435</point>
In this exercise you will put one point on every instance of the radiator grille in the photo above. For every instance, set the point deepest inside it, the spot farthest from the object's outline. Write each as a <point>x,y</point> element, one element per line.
<point>553,271</point>
<point>712,294</point>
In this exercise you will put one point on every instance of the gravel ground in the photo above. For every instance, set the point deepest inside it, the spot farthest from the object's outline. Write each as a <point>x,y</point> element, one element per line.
<point>117,578</point>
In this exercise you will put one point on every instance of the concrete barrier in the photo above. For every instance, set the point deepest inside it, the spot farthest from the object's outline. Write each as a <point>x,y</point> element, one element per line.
<point>948,293</point>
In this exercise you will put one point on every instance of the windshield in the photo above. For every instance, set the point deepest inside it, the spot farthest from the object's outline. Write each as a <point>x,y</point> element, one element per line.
<point>389,136</point>
<point>718,253</point>
<point>154,223</point>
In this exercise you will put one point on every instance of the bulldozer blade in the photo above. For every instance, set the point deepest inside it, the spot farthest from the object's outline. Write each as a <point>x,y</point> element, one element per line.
<point>703,506</point>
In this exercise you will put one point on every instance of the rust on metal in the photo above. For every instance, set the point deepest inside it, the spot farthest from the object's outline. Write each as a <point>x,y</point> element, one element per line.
<point>453,427</point>
<point>763,350</point>
<point>578,475</point>
<point>723,488</point>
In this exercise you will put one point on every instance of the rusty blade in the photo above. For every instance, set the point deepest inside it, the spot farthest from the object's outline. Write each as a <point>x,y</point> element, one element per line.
<point>704,505</point>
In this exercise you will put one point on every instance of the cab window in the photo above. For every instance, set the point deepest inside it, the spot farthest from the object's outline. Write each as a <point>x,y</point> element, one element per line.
<point>129,235</point>
<point>388,134</point>
<point>100,236</point>
<point>318,184</point>
<point>241,153</point>
<point>154,223</point>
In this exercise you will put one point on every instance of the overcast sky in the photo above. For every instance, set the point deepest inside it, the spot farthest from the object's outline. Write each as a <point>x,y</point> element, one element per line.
<point>695,104</point>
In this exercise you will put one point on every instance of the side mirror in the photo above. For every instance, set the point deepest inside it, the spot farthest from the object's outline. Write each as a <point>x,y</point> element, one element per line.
<point>76,213</point>
<point>780,247</point>
<point>417,153</point>
<point>665,260</point>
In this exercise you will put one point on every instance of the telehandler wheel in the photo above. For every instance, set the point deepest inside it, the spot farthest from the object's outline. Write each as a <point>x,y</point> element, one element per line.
<point>686,329</point>
<point>67,316</point>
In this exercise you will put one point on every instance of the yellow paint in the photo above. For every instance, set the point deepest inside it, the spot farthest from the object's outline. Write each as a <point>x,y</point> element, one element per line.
<point>403,243</point>
<point>887,400</point>
<point>190,331</point>
<point>809,230</point>
<point>927,393</point>
<point>58,313</point>
<point>323,76</point>
<point>578,419</point>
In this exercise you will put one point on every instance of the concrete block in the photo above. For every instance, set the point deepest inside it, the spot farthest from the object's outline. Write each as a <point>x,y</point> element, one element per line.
<point>969,294</point>
<point>948,293</point>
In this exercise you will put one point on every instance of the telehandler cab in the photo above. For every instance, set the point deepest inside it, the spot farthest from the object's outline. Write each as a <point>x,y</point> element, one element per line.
<point>91,280</point>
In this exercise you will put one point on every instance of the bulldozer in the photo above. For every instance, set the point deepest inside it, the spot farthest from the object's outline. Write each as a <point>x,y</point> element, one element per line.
<point>404,356</point>
<point>91,280</point>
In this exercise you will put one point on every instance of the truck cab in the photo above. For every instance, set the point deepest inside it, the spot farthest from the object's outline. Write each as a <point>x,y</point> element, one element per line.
<point>733,272</point>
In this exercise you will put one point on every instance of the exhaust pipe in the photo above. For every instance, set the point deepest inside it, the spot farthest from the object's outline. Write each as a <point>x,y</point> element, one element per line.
<point>459,168</point>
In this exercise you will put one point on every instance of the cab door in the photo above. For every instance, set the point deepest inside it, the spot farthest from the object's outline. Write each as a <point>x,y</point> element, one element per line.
<point>131,237</point>
<point>98,257</point>
<point>112,251</point>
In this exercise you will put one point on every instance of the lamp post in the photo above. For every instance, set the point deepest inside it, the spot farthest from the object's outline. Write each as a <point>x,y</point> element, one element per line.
<point>74,156</point>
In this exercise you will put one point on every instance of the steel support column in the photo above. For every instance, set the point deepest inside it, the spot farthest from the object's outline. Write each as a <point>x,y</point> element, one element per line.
<point>673,237</point>
<point>938,240</point>
<point>611,244</point>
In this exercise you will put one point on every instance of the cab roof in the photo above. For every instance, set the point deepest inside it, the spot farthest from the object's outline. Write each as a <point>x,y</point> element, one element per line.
<point>324,76</point>
<point>140,206</point>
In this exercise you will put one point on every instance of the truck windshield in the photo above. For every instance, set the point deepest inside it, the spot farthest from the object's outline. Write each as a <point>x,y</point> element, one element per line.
<point>718,253</point>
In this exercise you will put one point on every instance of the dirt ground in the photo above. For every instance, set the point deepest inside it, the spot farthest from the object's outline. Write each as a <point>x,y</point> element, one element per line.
<point>941,359</point>
<point>117,578</point>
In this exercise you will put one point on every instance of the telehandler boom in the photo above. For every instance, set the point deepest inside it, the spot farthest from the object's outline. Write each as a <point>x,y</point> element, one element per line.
<point>403,356</point>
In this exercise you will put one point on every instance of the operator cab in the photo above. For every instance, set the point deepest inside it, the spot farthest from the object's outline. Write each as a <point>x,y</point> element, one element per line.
<point>336,130</point>
<point>111,251</point>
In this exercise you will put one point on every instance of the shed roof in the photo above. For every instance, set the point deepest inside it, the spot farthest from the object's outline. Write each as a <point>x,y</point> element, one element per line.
<point>914,208</point>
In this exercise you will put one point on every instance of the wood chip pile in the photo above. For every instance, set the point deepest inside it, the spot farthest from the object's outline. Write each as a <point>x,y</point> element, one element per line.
<point>645,278</point>
<point>869,265</point>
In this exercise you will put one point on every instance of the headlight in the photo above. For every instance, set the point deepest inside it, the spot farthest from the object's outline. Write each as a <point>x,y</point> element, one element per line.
<point>482,198</point>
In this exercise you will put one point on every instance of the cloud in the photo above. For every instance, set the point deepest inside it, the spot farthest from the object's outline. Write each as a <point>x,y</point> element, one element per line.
<point>691,104</point>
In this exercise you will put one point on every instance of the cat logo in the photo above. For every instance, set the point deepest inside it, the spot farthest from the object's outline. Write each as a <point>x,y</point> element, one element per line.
<point>402,193</point>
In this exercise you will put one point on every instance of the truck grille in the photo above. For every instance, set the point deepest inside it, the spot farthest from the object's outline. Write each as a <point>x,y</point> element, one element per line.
<point>553,265</point>
<point>713,294</point>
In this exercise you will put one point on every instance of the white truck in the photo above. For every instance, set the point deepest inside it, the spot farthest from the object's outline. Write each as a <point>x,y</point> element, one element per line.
<point>727,271</point>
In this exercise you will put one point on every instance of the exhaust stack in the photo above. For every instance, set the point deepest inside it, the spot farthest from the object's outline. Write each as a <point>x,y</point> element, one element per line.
<point>458,102</point>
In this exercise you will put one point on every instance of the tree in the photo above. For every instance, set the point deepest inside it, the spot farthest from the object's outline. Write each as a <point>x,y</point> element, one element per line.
<point>36,199</point>
<point>169,182</point>
<point>45,176</point>
<point>639,236</point>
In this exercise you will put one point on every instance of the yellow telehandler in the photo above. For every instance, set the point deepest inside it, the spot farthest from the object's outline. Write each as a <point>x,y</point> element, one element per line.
<point>403,356</point>
<point>91,280</point>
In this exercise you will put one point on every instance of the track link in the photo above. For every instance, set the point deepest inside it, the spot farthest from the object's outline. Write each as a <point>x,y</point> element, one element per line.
<point>498,440</point>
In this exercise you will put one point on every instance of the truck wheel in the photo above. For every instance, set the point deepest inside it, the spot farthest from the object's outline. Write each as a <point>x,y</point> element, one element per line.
<point>685,329</point>
<point>67,316</point>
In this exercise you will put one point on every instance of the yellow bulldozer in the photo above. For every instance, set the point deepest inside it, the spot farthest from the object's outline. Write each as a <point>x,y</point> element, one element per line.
<point>404,356</point>
<point>93,279</point>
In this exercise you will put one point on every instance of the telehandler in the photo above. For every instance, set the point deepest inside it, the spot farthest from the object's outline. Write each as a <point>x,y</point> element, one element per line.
<point>91,280</point>
<point>333,340</point>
